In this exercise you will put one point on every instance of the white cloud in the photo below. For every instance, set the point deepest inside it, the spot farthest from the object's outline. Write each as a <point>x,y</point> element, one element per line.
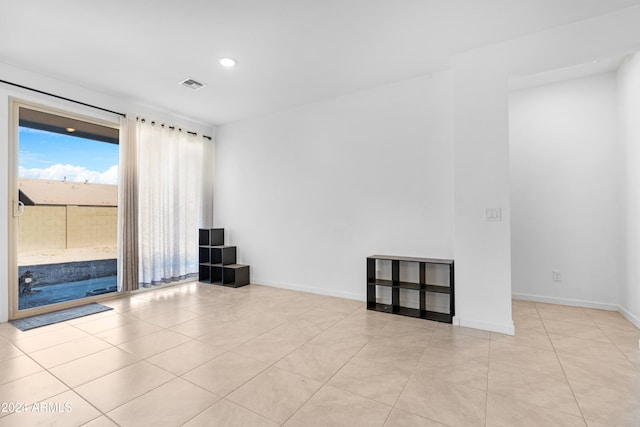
<point>36,131</point>
<point>59,172</point>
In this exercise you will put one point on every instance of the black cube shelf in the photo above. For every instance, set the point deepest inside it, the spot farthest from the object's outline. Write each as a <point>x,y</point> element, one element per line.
<point>211,236</point>
<point>223,255</point>
<point>235,275</point>
<point>421,287</point>
<point>217,261</point>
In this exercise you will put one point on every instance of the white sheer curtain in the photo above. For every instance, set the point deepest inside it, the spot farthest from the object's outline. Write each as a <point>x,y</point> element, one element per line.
<point>170,198</point>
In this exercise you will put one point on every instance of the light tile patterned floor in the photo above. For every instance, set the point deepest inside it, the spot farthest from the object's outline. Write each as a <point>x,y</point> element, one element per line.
<point>202,355</point>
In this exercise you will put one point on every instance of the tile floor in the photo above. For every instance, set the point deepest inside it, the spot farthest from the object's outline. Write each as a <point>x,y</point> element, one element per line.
<point>202,355</point>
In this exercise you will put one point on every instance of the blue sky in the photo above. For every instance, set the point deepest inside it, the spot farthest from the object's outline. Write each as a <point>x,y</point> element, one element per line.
<point>47,155</point>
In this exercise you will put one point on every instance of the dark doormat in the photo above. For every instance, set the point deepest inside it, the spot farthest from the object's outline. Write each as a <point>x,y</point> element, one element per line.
<point>58,316</point>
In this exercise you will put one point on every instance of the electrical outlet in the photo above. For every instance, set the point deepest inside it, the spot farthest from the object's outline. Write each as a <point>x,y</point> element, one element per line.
<point>556,275</point>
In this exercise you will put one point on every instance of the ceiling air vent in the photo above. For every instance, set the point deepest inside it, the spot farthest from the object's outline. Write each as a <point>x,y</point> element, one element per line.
<point>191,84</point>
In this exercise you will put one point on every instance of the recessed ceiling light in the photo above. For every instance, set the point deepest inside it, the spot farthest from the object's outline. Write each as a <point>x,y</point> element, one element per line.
<point>71,130</point>
<point>227,62</point>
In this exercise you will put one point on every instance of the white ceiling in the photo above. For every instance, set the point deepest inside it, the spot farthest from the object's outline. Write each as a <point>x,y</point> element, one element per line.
<point>289,52</point>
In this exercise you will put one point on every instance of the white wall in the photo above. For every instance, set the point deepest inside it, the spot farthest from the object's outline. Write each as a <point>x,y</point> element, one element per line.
<point>481,157</point>
<point>481,166</point>
<point>566,201</point>
<point>278,208</point>
<point>629,98</point>
<point>44,83</point>
<point>307,194</point>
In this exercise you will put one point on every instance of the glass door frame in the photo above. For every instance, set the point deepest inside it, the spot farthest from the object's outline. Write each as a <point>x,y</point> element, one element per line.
<point>14,105</point>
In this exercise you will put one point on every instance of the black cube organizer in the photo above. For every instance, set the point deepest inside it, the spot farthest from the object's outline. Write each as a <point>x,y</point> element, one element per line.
<point>218,261</point>
<point>422,287</point>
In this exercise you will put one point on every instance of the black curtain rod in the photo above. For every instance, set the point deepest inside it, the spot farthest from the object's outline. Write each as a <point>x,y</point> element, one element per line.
<point>62,97</point>
<point>153,123</point>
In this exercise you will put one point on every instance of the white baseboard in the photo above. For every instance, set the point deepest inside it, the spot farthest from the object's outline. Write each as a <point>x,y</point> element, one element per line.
<point>311,290</point>
<point>508,329</point>
<point>566,301</point>
<point>635,320</point>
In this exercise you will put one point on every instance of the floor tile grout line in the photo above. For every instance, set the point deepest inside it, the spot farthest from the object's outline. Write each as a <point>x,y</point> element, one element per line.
<point>276,327</point>
<point>200,365</point>
<point>575,399</point>
<point>486,402</point>
<point>295,373</point>
<point>48,370</point>
<point>29,354</point>
<point>202,388</point>
<point>281,358</point>
<point>188,371</point>
<point>80,396</point>
<point>557,357</point>
<point>610,342</point>
<point>72,389</point>
<point>230,402</point>
<point>404,386</point>
<point>637,367</point>
<point>16,344</point>
<point>236,388</point>
<point>132,398</point>
<point>249,380</point>
<point>324,384</point>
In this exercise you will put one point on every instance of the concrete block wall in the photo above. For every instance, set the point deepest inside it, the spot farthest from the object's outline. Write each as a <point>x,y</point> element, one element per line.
<point>91,226</point>
<point>66,227</point>
<point>42,227</point>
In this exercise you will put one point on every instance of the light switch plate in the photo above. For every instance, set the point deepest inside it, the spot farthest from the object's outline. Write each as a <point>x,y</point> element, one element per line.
<point>493,214</point>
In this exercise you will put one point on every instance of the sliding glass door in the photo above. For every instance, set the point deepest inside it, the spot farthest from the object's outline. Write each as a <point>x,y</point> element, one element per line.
<point>65,209</point>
